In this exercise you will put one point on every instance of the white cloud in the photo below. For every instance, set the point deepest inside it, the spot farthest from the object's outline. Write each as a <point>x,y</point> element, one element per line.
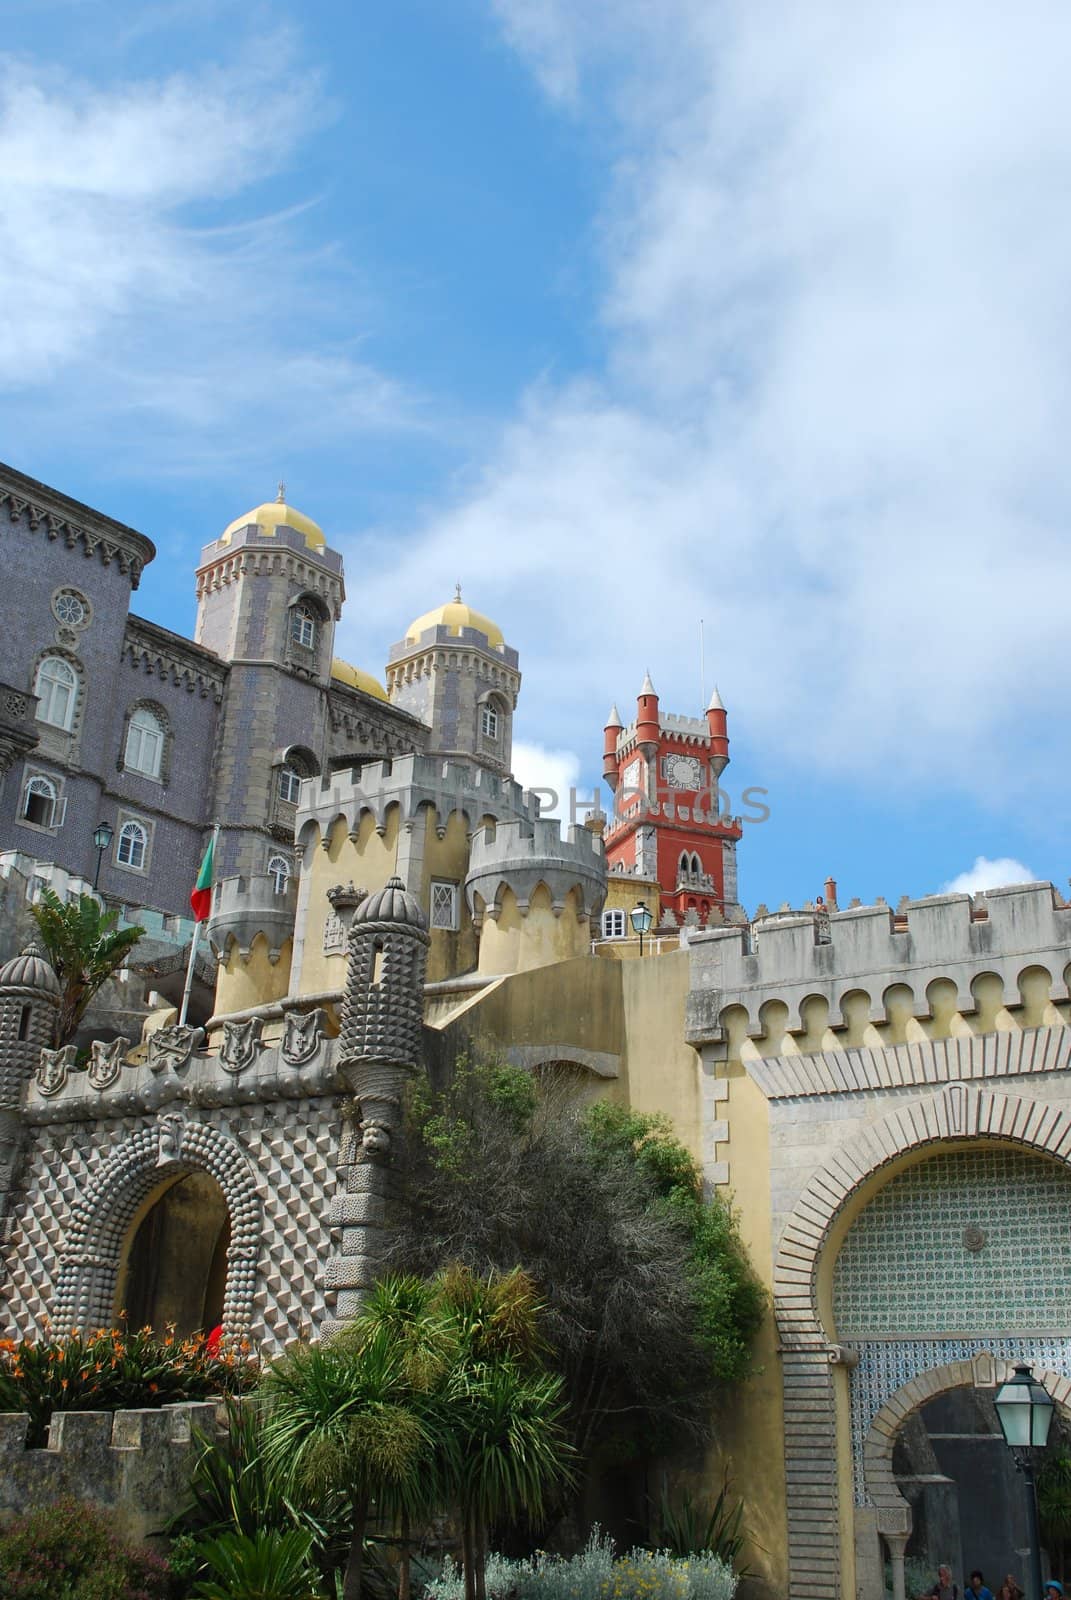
<point>986,874</point>
<point>831,417</point>
<point>536,767</point>
<point>120,296</point>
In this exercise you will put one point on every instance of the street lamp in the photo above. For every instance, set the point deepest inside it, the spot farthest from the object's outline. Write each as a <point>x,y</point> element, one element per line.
<point>103,834</point>
<point>1025,1409</point>
<point>641,918</point>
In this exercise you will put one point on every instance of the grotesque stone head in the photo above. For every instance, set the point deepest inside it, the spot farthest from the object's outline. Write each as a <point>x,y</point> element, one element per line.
<point>375,1138</point>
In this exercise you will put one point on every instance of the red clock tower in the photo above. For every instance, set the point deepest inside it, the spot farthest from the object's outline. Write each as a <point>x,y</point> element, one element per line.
<point>664,772</point>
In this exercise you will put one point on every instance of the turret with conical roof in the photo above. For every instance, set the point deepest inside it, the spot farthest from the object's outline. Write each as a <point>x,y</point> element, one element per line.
<point>379,1046</point>
<point>611,767</point>
<point>29,1001</point>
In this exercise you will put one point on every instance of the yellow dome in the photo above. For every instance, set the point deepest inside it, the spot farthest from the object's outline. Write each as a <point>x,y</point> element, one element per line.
<point>275,514</point>
<point>455,615</point>
<point>344,672</point>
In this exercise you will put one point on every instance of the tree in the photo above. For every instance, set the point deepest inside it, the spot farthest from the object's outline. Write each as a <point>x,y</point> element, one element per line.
<point>650,1301</point>
<point>85,946</point>
<point>348,1419</point>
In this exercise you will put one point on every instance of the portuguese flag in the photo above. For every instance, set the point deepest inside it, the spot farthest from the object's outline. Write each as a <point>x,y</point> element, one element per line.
<point>201,898</point>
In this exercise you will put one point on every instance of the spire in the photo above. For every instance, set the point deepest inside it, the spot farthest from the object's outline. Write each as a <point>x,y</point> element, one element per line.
<point>457,592</point>
<point>648,686</point>
<point>716,701</point>
<point>614,719</point>
<point>280,498</point>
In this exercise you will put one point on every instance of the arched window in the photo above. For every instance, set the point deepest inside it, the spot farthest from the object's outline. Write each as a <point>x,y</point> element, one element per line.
<point>682,865</point>
<point>279,873</point>
<point>39,802</point>
<point>303,626</point>
<point>144,743</point>
<point>289,784</point>
<point>132,842</point>
<point>489,721</point>
<point>697,866</point>
<point>56,688</point>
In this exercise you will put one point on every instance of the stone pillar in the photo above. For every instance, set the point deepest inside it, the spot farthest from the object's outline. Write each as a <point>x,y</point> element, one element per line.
<point>29,1000</point>
<point>379,1047</point>
<point>897,1544</point>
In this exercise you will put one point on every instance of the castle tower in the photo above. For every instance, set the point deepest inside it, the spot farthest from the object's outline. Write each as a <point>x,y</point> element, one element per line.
<point>455,671</point>
<point>379,1046</point>
<point>668,824</point>
<point>29,1001</point>
<point>269,593</point>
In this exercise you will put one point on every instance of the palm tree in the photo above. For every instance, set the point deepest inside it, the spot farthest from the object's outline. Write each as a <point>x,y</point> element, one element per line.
<point>503,1409</point>
<point>342,1418</point>
<point>85,946</point>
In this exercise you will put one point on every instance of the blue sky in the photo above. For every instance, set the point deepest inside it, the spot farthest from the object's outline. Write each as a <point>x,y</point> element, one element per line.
<point>623,314</point>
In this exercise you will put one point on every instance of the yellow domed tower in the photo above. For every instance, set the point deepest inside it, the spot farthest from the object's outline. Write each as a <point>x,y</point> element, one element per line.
<point>269,592</point>
<point>455,671</point>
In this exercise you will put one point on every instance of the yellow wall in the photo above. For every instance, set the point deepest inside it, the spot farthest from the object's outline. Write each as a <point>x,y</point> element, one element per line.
<point>513,942</point>
<point>253,981</point>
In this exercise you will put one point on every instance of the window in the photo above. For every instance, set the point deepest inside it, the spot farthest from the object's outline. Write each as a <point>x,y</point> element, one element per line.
<point>303,627</point>
<point>144,743</point>
<point>444,905</point>
<point>70,608</point>
<point>697,866</point>
<point>133,840</point>
<point>489,722</point>
<point>39,803</point>
<point>56,689</point>
<point>279,873</point>
<point>613,924</point>
<point>289,785</point>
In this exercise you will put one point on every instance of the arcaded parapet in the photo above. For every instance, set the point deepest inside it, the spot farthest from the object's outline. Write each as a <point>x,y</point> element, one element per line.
<point>410,782</point>
<point>869,952</point>
<point>520,855</point>
<point>245,907</point>
<point>133,1464</point>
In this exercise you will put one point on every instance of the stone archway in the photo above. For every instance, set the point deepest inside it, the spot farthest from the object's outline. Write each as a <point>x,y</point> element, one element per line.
<point>893,1512</point>
<point>956,1111</point>
<point>90,1261</point>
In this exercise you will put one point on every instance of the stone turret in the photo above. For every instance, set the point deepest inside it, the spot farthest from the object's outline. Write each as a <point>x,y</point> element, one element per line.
<point>379,1046</point>
<point>251,929</point>
<point>532,894</point>
<point>29,1001</point>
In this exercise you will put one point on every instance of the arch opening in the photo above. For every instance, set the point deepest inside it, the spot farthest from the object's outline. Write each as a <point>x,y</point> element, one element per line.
<point>173,1260</point>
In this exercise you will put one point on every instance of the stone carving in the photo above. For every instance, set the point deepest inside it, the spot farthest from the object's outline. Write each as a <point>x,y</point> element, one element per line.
<point>302,1036</point>
<point>974,1238</point>
<point>334,936</point>
<point>169,1140</point>
<point>106,1062</point>
<point>376,1139</point>
<point>53,1067</point>
<point>173,1047</point>
<point>241,1045</point>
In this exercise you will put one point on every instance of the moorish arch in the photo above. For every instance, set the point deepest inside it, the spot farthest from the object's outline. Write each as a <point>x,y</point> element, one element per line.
<point>816,1369</point>
<point>170,1148</point>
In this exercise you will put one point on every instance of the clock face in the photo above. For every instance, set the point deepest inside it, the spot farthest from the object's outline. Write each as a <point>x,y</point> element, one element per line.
<point>682,772</point>
<point>632,777</point>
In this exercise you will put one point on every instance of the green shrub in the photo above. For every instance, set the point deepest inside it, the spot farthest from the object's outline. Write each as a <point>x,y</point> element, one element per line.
<point>68,1551</point>
<point>690,1528</point>
<point>595,1574</point>
<point>269,1565</point>
<point>113,1368</point>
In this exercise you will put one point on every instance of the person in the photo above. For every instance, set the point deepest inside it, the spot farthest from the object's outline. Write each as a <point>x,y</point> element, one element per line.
<point>944,1588</point>
<point>1009,1589</point>
<point>976,1589</point>
<point>1054,1590</point>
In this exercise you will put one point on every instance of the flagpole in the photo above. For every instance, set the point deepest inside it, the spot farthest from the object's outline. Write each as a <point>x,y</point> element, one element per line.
<point>194,942</point>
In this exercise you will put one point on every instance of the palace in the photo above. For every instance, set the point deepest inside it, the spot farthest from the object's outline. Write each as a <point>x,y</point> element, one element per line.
<point>885,1095</point>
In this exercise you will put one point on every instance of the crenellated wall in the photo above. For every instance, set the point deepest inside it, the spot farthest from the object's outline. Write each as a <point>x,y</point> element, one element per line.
<point>133,1464</point>
<point>940,966</point>
<point>532,894</point>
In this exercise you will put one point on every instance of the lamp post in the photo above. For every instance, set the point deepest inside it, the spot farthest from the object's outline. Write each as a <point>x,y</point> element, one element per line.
<point>1025,1409</point>
<point>103,834</point>
<point>641,918</point>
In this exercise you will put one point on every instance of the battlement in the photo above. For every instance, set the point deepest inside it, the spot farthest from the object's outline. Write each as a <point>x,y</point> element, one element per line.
<point>410,782</point>
<point>866,950</point>
<point>523,853</point>
<point>134,1464</point>
<point>243,907</point>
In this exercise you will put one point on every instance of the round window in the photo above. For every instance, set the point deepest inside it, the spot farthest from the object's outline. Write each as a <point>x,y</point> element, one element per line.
<point>70,608</point>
